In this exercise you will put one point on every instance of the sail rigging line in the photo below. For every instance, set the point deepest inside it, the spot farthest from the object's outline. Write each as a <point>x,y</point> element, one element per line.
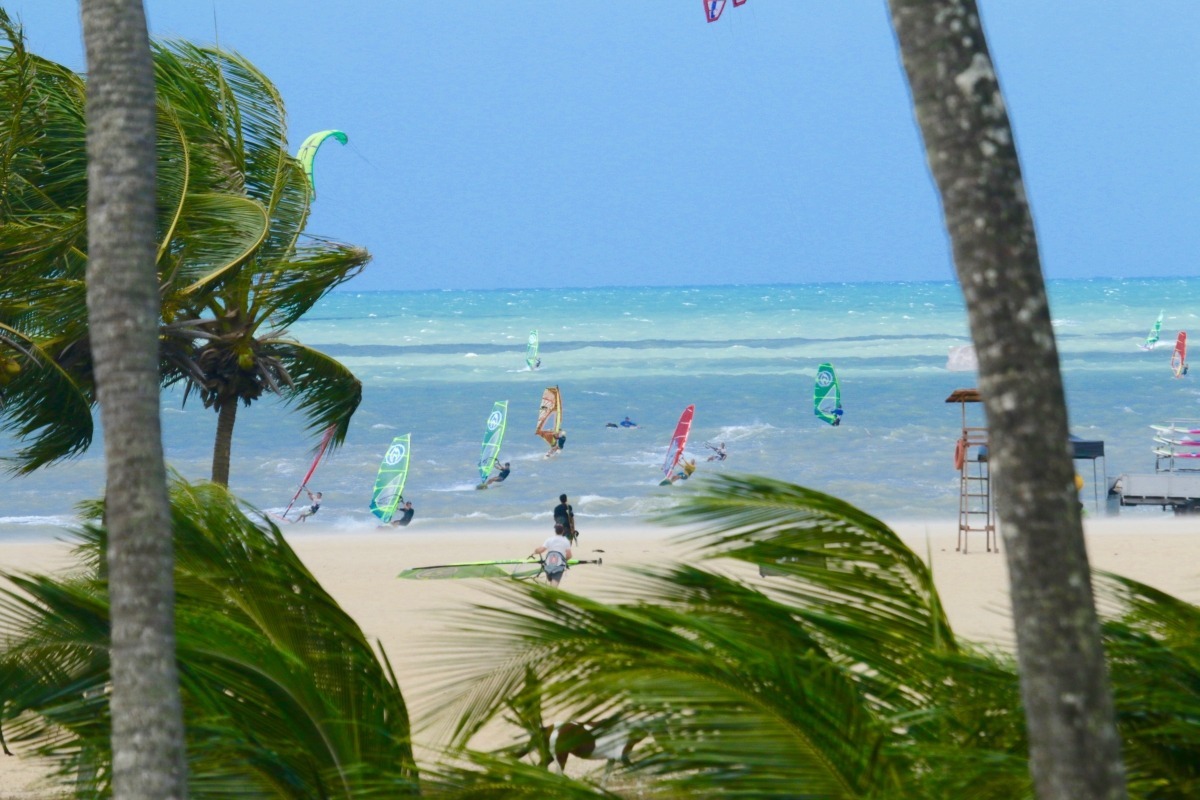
<point>321,448</point>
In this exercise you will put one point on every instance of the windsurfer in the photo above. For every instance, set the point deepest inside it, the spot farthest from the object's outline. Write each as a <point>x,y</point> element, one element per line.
<point>561,441</point>
<point>564,515</point>
<point>719,453</point>
<point>312,509</point>
<point>406,515</point>
<point>499,477</point>
<point>686,468</point>
<point>557,551</point>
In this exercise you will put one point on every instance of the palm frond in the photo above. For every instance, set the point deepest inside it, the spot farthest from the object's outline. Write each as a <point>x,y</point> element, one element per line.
<point>283,694</point>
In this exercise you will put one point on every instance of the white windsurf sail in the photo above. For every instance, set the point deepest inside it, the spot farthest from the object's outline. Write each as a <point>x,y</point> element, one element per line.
<point>531,350</point>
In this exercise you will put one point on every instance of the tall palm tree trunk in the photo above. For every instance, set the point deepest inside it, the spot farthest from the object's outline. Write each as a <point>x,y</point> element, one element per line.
<point>1074,746</point>
<point>223,446</point>
<point>123,310</point>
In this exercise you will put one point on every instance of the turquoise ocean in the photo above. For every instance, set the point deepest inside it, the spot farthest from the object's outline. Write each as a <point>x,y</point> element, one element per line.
<point>432,364</point>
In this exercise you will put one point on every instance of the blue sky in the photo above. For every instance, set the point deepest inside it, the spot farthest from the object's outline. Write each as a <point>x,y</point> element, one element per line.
<point>542,143</point>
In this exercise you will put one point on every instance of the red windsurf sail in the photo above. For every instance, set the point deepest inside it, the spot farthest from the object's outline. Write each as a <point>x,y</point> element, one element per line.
<point>678,441</point>
<point>1179,357</point>
<point>321,448</point>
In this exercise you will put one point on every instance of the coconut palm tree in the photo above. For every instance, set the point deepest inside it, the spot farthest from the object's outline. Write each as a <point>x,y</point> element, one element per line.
<point>282,693</point>
<point>123,311</point>
<point>233,266</point>
<point>972,154</point>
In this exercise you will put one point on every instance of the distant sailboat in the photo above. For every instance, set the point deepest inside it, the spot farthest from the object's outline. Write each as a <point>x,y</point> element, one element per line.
<point>1152,338</point>
<point>827,395</point>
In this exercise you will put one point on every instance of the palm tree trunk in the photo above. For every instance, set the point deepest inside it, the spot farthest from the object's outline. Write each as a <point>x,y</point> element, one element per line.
<point>1074,746</point>
<point>223,447</point>
<point>123,310</point>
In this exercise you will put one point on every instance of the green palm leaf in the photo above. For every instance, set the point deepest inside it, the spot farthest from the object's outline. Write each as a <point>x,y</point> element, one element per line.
<point>283,694</point>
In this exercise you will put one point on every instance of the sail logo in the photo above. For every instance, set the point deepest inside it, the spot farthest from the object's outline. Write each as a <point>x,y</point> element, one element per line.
<point>824,378</point>
<point>533,338</point>
<point>494,421</point>
<point>394,455</point>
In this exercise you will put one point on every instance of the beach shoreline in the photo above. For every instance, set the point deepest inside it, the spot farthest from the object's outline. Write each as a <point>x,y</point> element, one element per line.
<point>412,621</point>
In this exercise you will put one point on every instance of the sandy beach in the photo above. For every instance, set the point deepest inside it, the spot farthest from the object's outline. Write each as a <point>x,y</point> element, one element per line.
<point>410,618</point>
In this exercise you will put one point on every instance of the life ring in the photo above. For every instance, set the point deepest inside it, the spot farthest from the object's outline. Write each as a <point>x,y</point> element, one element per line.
<point>960,453</point>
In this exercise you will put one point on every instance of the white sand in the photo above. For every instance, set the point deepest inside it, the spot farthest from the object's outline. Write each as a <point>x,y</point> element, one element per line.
<point>408,617</point>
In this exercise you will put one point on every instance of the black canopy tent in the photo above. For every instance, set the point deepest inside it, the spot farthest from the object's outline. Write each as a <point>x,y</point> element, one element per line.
<point>1089,450</point>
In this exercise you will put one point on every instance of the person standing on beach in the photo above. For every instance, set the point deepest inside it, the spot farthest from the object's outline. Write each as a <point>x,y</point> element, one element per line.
<point>315,499</point>
<point>557,551</point>
<point>565,515</point>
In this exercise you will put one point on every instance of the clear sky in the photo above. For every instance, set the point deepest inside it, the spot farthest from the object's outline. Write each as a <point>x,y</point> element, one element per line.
<point>541,143</point>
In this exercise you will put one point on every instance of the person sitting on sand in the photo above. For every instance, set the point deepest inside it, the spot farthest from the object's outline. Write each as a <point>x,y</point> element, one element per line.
<point>406,516</point>
<point>557,551</point>
<point>314,508</point>
<point>499,477</point>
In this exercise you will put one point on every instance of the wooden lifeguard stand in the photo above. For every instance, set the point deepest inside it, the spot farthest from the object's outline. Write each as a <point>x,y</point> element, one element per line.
<point>976,513</point>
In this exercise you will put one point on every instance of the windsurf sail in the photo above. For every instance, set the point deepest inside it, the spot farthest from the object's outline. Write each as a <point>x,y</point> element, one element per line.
<point>827,395</point>
<point>326,438</point>
<point>531,350</point>
<point>1175,429</point>
<point>389,483</point>
<point>518,568</point>
<point>550,415</point>
<point>678,441</point>
<point>493,434</point>
<point>1179,357</point>
<point>1152,338</point>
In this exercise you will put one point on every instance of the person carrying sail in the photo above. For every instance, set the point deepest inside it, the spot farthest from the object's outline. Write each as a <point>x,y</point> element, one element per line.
<point>565,515</point>
<point>557,551</point>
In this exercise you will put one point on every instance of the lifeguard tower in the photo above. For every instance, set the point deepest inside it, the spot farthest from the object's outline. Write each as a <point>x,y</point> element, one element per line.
<point>976,513</point>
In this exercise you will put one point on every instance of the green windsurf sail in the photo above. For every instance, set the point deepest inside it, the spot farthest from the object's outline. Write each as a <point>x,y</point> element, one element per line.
<point>531,350</point>
<point>827,395</point>
<point>1152,338</point>
<point>389,483</point>
<point>493,434</point>
<point>517,568</point>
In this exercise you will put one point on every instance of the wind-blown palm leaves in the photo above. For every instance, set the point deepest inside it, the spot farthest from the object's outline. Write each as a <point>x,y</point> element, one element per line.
<point>234,269</point>
<point>283,694</point>
<point>840,677</point>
